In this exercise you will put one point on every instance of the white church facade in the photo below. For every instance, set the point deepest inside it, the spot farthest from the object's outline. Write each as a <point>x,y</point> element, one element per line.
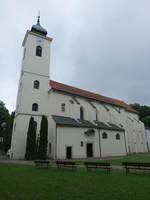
<point>81,124</point>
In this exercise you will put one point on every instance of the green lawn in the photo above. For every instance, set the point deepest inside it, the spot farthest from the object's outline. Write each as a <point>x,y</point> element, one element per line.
<point>143,157</point>
<point>20,182</point>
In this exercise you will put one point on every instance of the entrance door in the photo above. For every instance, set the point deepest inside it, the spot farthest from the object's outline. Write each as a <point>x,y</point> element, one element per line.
<point>89,150</point>
<point>69,152</point>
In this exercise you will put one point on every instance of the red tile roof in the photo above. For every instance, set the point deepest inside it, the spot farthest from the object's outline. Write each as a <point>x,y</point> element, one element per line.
<point>83,93</point>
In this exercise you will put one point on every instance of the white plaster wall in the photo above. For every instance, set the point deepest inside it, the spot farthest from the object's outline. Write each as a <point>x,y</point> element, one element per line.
<point>72,137</point>
<point>102,113</point>
<point>33,63</point>
<point>111,146</point>
<point>55,101</point>
<point>29,95</point>
<point>20,128</point>
<point>136,138</point>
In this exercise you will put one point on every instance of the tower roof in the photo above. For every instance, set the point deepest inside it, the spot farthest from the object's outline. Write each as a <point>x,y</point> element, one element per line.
<point>37,28</point>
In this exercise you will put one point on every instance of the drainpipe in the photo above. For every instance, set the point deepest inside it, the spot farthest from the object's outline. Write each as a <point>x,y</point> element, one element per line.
<point>125,143</point>
<point>99,139</point>
<point>56,142</point>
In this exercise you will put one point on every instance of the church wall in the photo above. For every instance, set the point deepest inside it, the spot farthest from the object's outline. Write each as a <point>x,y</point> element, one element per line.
<point>134,131</point>
<point>67,136</point>
<point>55,101</point>
<point>89,111</point>
<point>101,147</point>
<point>111,146</point>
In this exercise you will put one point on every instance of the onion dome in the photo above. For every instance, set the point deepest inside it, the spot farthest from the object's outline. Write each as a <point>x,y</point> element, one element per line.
<point>37,28</point>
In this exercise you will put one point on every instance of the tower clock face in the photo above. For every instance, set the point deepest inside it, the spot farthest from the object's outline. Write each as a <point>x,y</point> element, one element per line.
<point>40,41</point>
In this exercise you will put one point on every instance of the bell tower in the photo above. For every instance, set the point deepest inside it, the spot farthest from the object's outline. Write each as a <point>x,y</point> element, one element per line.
<point>36,56</point>
<point>32,98</point>
<point>35,69</point>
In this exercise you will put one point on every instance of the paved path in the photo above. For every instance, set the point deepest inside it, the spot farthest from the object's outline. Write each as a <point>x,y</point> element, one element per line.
<point>26,162</point>
<point>21,162</point>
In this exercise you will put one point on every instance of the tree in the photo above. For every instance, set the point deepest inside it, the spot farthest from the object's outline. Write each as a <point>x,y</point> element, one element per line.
<point>4,115</point>
<point>42,150</point>
<point>144,112</point>
<point>31,147</point>
<point>8,132</point>
<point>146,121</point>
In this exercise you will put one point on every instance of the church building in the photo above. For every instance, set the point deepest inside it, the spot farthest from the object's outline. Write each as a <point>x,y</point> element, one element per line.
<point>81,124</point>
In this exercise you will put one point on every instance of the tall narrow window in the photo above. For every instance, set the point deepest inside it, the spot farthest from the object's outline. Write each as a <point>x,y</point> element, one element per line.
<point>36,84</point>
<point>63,107</point>
<point>39,51</point>
<point>117,136</point>
<point>34,107</point>
<point>49,148</point>
<point>81,113</point>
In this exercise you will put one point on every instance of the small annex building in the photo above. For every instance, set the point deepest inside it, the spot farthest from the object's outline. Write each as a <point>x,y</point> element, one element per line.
<point>81,124</point>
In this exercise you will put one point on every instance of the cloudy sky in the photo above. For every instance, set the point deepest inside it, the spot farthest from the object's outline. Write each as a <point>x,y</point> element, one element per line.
<point>98,45</point>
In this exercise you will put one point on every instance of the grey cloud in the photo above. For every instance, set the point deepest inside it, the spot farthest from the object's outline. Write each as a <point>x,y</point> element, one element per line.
<point>99,45</point>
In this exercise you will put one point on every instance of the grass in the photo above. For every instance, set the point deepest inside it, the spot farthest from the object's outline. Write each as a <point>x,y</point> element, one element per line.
<point>143,157</point>
<point>21,182</point>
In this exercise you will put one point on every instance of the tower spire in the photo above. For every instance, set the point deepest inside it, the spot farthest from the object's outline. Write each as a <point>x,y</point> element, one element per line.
<point>38,20</point>
<point>37,28</point>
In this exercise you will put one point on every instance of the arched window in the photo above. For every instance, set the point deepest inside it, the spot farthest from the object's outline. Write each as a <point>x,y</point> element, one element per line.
<point>34,107</point>
<point>104,135</point>
<point>81,113</point>
<point>39,51</point>
<point>117,136</point>
<point>36,84</point>
<point>63,107</point>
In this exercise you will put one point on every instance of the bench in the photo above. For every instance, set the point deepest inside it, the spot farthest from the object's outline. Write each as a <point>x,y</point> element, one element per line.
<point>42,163</point>
<point>135,166</point>
<point>98,165</point>
<point>68,164</point>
